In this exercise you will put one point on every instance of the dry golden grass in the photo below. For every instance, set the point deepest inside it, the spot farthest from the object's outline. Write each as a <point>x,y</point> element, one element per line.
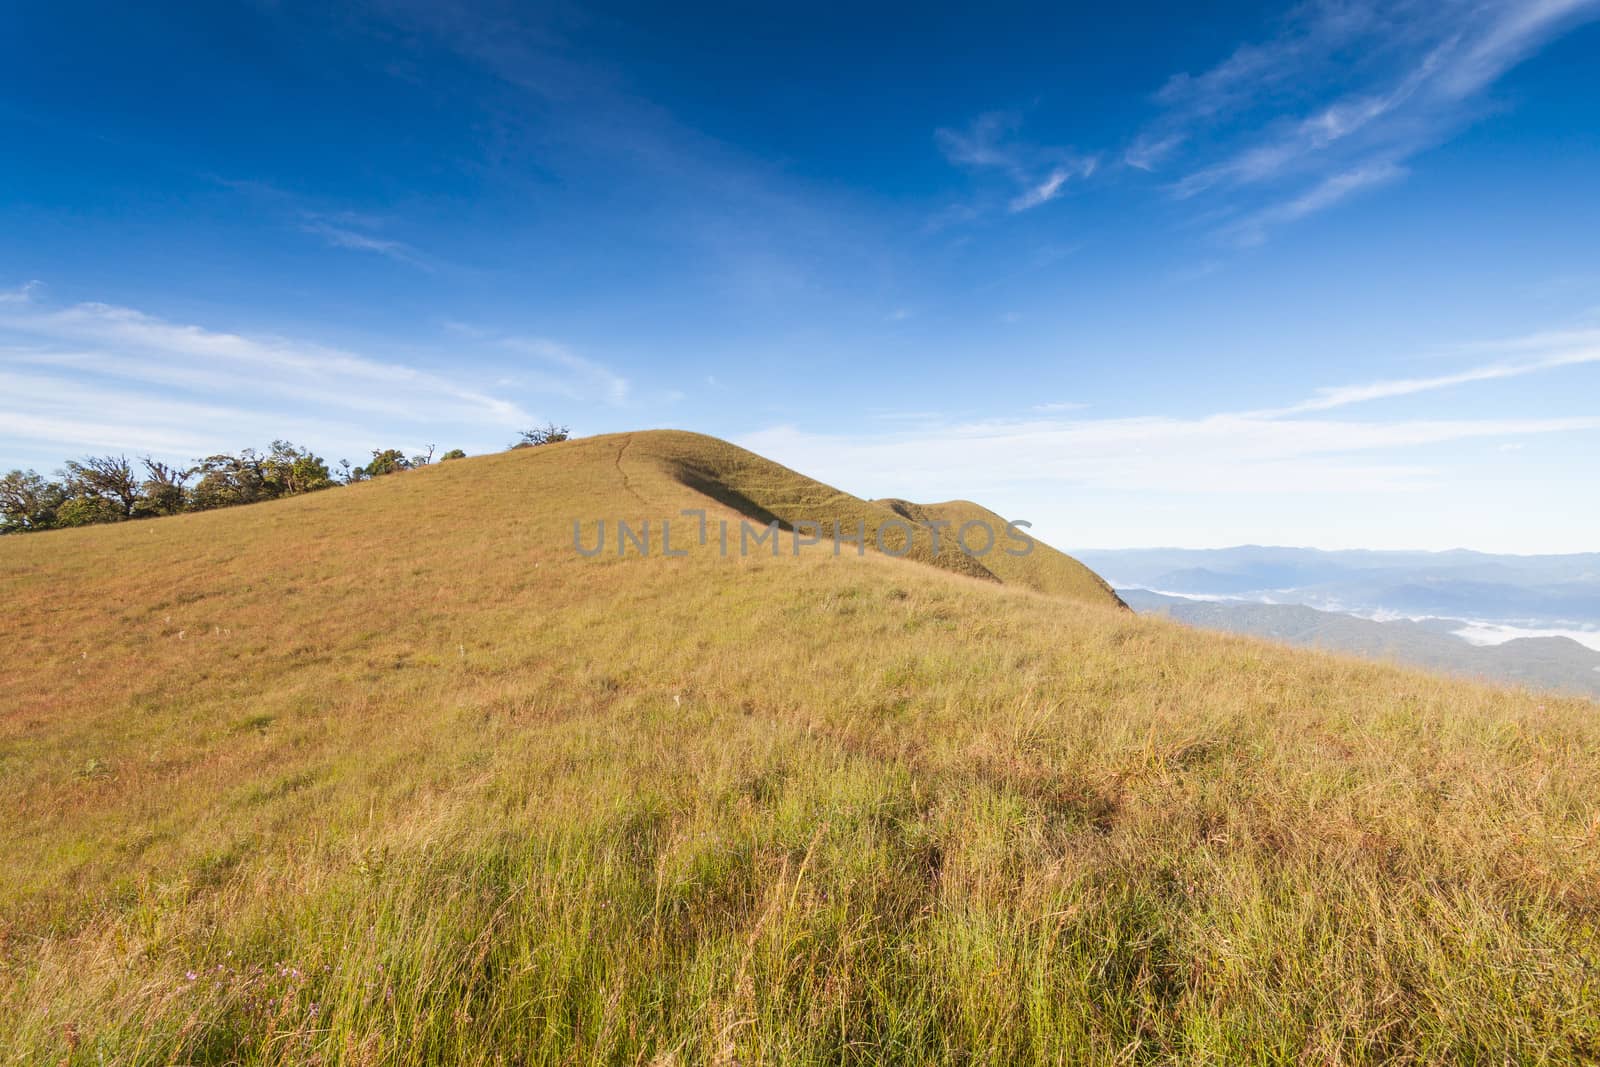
<point>391,775</point>
<point>1044,569</point>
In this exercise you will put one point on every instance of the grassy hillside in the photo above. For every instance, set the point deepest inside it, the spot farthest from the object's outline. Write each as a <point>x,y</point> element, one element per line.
<point>392,774</point>
<point>1044,570</point>
<point>763,491</point>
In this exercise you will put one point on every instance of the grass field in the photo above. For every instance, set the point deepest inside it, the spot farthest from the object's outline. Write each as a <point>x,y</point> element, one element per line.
<point>390,774</point>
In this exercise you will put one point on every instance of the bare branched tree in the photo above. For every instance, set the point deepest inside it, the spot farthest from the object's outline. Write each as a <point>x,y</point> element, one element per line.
<point>107,478</point>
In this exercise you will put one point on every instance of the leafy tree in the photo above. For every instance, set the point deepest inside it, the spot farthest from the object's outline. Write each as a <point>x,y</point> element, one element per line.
<point>288,470</point>
<point>226,480</point>
<point>284,470</point>
<point>165,490</point>
<point>386,461</point>
<point>108,481</point>
<point>106,489</point>
<point>87,511</point>
<point>29,502</point>
<point>454,453</point>
<point>548,434</point>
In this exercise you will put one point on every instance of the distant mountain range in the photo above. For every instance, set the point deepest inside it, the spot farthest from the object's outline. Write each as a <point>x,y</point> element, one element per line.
<point>1531,620</point>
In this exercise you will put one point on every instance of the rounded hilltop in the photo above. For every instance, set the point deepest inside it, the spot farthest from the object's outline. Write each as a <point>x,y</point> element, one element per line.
<point>666,462</point>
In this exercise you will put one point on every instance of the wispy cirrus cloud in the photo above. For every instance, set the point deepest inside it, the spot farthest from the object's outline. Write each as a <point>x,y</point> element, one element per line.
<point>1044,191</point>
<point>352,231</point>
<point>1253,227</point>
<point>587,376</point>
<point>549,365</point>
<point>96,376</point>
<point>1339,99</point>
<point>22,294</point>
<point>359,241</point>
<point>1562,350</point>
<point>1294,449</point>
<point>991,144</point>
<point>125,343</point>
<point>1223,453</point>
<point>564,110</point>
<point>1149,150</point>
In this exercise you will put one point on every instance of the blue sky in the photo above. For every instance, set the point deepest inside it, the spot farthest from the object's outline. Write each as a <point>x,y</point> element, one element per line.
<point>1321,275</point>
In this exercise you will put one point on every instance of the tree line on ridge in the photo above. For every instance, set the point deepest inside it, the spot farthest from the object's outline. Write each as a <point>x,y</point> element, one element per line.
<point>100,489</point>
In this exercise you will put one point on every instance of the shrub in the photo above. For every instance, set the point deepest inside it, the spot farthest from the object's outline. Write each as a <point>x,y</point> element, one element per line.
<point>548,434</point>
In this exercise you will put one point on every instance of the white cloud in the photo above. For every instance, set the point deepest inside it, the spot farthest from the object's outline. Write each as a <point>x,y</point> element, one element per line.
<point>1325,194</point>
<point>463,329</point>
<point>587,377</point>
<point>1277,451</point>
<point>1149,150</point>
<point>1239,454</point>
<point>1339,396</point>
<point>1195,271</point>
<point>128,344</point>
<point>1038,173</point>
<point>1546,341</point>
<point>982,143</point>
<point>350,230</point>
<point>86,416</point>
<point>1519,30</point>
<point>96,376</point>
<point>1385,83</point>
<point>354,240</point>
<point>1042,193</point>
<point>23,294</point>
<point>1305,36</point>
<point>1320,131</point>
<point>908,416</point>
